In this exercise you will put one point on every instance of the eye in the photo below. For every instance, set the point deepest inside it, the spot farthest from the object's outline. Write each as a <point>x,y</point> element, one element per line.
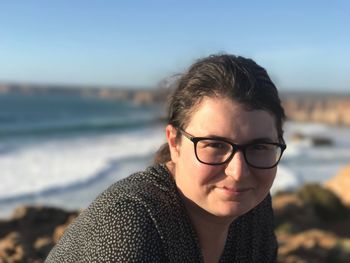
<point>260,147</point>
<point>214,145</point>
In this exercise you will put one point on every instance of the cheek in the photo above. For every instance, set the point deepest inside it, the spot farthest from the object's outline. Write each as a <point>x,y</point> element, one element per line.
<point>187,157</point>
<point>187,162</point>
<point>265,178</point>
<point>207,176</point>
<point>199,173</point>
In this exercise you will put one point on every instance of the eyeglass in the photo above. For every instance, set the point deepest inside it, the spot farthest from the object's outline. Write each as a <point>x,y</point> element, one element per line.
<point>217,151</point>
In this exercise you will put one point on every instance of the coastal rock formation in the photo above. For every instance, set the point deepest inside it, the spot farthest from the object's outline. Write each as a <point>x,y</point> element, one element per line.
<point>340,184</point>
<point>31,233</point>
<point>314,140</point>
<point>312,225</point>
<point>322,108</point>
<point>313,245</point>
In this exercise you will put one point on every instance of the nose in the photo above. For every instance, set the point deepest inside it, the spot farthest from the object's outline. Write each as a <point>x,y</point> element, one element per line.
<point>237,167</point>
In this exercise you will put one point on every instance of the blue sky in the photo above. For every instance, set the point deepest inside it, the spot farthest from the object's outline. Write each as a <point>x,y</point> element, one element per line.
<point>304,45</point>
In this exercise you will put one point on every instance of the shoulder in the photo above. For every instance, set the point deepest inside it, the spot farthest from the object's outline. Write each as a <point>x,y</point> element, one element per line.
<point>135,197</point>
<point>118,225</point>
<point>150,188</point>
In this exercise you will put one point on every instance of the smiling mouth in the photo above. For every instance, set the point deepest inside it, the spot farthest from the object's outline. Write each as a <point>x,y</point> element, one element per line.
<point>235,191</point>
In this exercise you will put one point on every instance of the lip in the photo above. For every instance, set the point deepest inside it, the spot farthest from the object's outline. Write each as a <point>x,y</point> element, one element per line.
<point>234,191</point>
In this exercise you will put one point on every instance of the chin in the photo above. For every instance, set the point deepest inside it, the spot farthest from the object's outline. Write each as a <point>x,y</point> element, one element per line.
<point>233,211</point>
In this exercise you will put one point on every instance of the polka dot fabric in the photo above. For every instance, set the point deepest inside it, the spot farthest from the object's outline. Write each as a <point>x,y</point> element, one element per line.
<point>142,219</point>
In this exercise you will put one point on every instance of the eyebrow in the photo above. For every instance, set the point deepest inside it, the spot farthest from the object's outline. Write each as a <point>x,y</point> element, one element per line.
<point>255,140</point>
<point>261,140</point>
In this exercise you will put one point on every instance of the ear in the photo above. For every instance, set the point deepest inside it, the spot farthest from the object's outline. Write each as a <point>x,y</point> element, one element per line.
<point>174,148</point>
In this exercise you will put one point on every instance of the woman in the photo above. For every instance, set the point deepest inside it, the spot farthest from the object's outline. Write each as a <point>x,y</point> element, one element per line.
<point>207,197</point>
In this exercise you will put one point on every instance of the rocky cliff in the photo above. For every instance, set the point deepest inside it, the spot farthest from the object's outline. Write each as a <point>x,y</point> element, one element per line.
<point>31,233</point>
<point>326,108</point>
<point>312,225</point>
<point>340,184</point>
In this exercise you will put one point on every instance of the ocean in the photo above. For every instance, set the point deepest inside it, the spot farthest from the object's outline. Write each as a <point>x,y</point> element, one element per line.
<point>64,150</point>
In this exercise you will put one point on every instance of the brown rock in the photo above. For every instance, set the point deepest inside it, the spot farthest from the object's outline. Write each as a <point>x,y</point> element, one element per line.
<point>292,214</point>
<point>313,246</point>
<point>28,236</point>
<point>340,184</point>
<point>59,231</point>
<point>42,246</point>
<point>303,234</point>
<point>12,248</point>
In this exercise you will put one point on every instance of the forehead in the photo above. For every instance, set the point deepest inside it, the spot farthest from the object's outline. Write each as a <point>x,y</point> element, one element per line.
<point>226,118</point>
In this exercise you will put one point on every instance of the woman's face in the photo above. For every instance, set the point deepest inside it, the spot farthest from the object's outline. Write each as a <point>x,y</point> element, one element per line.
<point>231,189</point>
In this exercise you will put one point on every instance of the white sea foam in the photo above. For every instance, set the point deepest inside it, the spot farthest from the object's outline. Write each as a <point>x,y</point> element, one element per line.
<point>62,162</point>
<point>285,179</point>
<point>311,163</point>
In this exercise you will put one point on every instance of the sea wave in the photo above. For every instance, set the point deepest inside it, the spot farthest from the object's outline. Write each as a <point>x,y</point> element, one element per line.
<point>63,163</point>
<point>286,179</point>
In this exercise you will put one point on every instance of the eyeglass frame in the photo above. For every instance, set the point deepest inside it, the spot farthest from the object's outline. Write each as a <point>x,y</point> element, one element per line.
<point>235,148</point>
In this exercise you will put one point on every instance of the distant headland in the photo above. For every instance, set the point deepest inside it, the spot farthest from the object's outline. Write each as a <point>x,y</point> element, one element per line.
<point>331,108</point>
<point>136,95</point>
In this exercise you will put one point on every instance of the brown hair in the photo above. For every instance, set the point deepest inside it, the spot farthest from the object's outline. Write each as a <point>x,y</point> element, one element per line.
<point>228,76</point>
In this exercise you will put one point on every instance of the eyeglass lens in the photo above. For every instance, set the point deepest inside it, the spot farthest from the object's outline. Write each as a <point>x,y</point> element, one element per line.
<point>262,155</point>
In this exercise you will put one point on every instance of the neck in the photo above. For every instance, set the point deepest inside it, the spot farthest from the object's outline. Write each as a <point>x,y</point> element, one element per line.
<point>211,230</point>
